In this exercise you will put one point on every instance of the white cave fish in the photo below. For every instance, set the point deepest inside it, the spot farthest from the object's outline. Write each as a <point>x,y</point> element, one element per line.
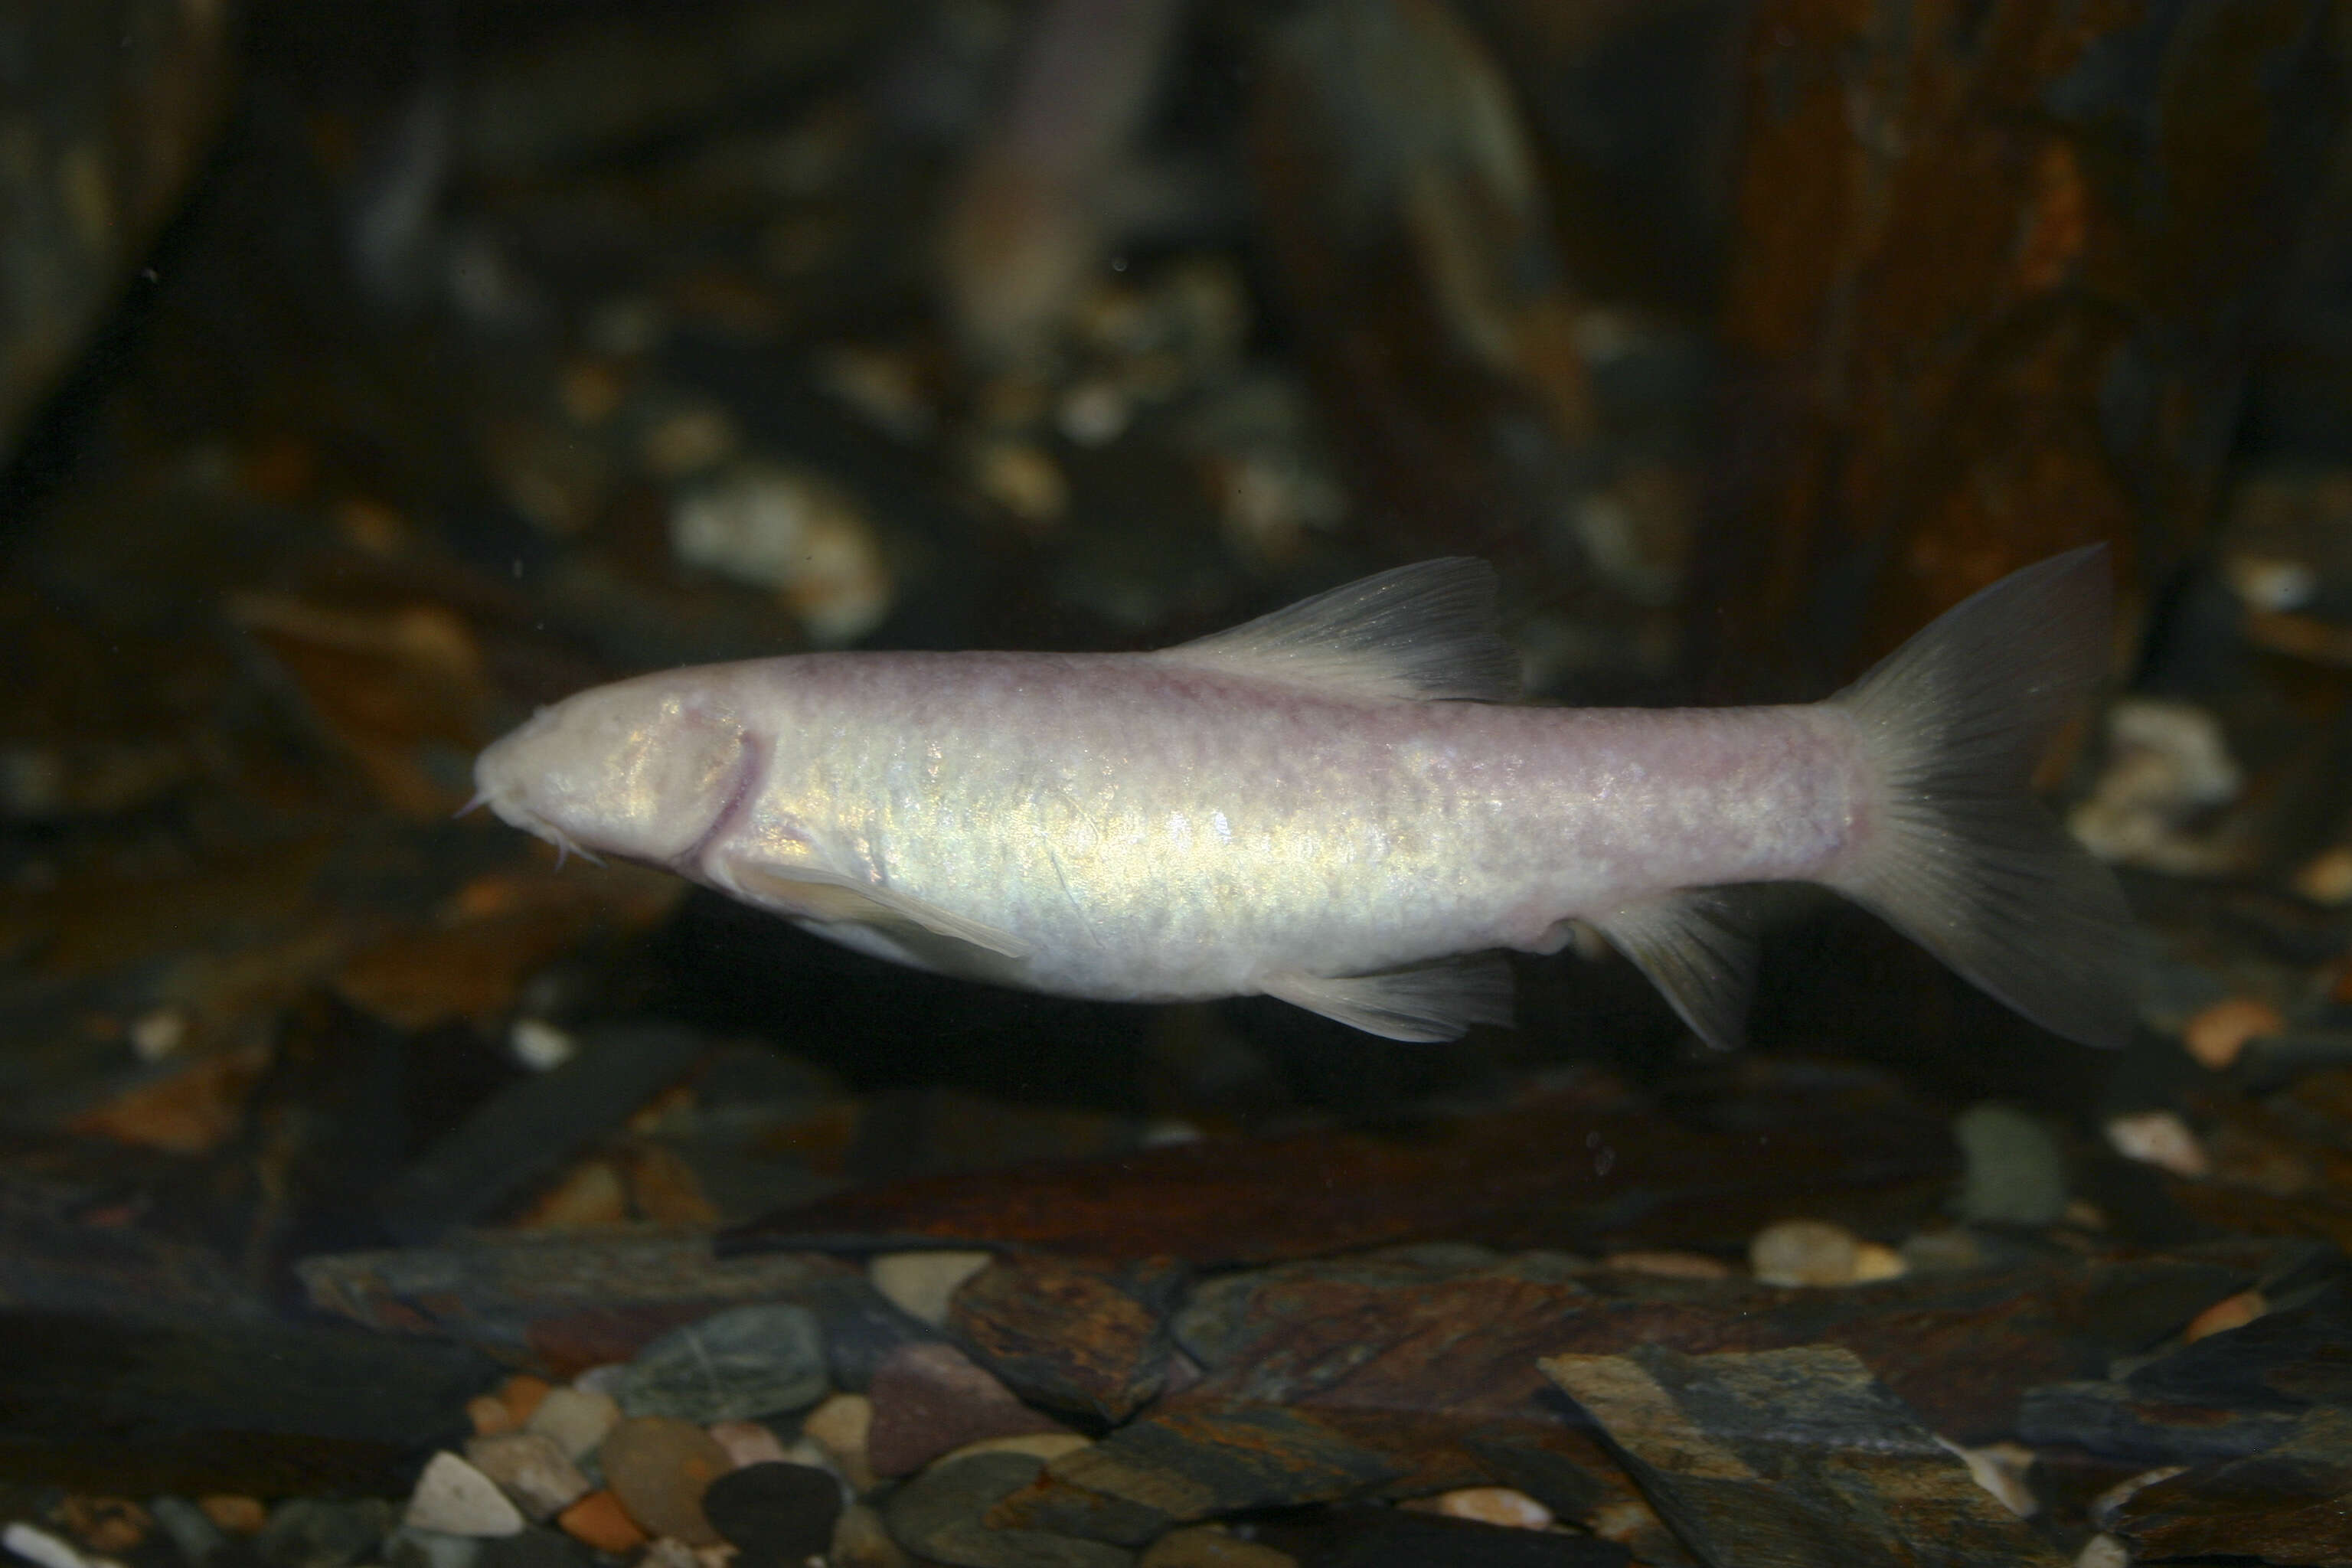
<point>1340,805</point>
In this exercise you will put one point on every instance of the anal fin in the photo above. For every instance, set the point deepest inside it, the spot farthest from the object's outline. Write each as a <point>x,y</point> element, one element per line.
<point>1427,1003</point>
<point>808,893</point>
<point>1694,947</point>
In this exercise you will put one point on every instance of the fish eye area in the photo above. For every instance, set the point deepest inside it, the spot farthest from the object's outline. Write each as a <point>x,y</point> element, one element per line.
<point>637,771</point>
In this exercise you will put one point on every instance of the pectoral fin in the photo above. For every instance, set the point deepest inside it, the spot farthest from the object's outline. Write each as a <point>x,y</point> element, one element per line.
<point>807,892</point>
<point>1696,948</point>
<point>1427,1003</point>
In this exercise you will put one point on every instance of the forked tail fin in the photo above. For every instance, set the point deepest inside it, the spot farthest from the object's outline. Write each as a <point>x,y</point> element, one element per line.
<point>1957,853</point>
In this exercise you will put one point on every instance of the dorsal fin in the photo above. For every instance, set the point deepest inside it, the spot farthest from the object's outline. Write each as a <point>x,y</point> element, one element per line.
<point>1422,631</point>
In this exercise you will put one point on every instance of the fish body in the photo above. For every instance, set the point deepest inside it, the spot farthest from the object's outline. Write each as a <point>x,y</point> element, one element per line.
<point>1334,804</point>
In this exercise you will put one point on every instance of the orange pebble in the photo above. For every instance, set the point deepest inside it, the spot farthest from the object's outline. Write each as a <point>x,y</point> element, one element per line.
<point>489,1415</point>
<point>599,1520</point>
<point>235,1515</point>
<point>2217,1036</point>
<point>521,1393</point>
<point>2229,1312</point>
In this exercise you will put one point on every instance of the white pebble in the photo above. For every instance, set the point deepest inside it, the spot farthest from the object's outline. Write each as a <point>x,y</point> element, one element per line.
<point>540,1045</point>
<point>2161,1139</point>
<point>577,1418</point>
<point>796,532</point>
<point>920,1284</point>
<point>1804,1252</point>
<point>158,1033</point>
<point>39,1546</point>
<point>2103,1552</point>
<point>1492,1505</point>
<point>456,1498</point>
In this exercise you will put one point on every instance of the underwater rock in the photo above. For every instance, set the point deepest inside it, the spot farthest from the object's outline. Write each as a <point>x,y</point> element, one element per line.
<point>1794,1457</point>
<point>744,1362</point>
<point>1069,1336</point>
<point>938,1516</point>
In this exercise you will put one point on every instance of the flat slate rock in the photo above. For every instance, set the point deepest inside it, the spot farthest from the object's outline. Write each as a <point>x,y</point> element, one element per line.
<point>565,1302</point>
<point>1176,1467</point>
<point>1374,1336</point>
<point>1595,1166</point>
<point>930,1398</point>
<point>938,1517</point>
<point>2289,1504</point>
<point>1791,1459</point>
<point>1088,1338</point>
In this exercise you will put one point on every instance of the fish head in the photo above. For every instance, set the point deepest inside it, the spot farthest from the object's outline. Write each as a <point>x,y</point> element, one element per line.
<point>645,769</point>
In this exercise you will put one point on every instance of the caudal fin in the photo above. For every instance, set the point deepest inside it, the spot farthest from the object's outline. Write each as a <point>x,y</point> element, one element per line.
<point>1961,856</point>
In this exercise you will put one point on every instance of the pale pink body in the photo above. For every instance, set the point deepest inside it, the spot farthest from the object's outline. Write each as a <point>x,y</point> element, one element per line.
<point>1312,806</point>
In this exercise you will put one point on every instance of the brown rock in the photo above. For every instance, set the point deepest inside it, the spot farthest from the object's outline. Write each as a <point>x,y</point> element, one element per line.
<point>659,1467</point>
<point>929,1398</point>
<point>235,1515</point>
<point>599,1520</point>
<point>1795,1457</point>
<point>1068,1335</point>
<point>2288,1504</point>
<point>2217,1036</point>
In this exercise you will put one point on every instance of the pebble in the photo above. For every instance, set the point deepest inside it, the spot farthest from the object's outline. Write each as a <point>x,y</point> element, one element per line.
<point>920,1284</point>
<point>523,1395</point>
<point>796,532</point>
<point>531,1469</point>
<point>2326,877</point>
<point>1020,476</point>
<point>659,1466</point>
<point>929,1399</point>
<point>2217,1036</point>
<point>107,1525</point>
<point>860,1540</point>
<point>196,1537</point>
<point>1805,1252</point>
<point>42,1549</point>
<point>938,1516</point>
<point>318,1532</point>
<point>599,1520</point>
<point>2161,1139</point>
<point>235,1514</point>
<point>1490,1505</point>
<point>841,1427</point>
<point>2229,1312</point>
<point>489,1415</point>
<point>1209,1546</point>
<point>456,1498</point>
<point>2103,1551</point>
<point>748,1442</point>
<point>576,1418</point>
<point>745,1361</point>
<point>777,1515</point>
<point>2014,1171</point>
<point>409,1547</point>
<point>2000,1469</point>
